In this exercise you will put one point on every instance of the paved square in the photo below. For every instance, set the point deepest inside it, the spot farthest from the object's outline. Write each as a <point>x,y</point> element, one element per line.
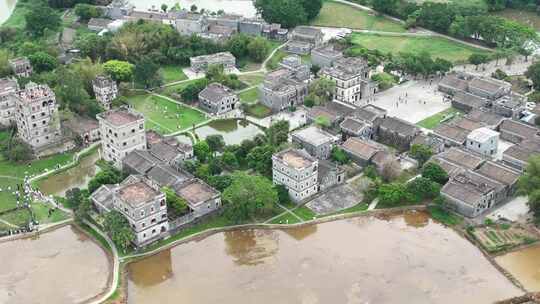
<point>412,101</point>
<point>340,197</point>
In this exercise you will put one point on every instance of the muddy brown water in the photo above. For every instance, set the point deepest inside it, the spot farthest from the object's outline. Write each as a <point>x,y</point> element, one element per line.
<point>78,176</point>
<point>61,267</point>
<point>400,259</point>
<point>524,265</point>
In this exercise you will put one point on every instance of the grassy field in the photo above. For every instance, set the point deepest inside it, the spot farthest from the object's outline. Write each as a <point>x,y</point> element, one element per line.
<point>13,174</point>
<point>249,96</point>
<point>434,121</point>
<point>435,46</point>
<point>335,14</point>
<point>172,73</point>
<point>257,110</point>
<point>304,213</point>
<point>165,116</point>
<point>174,89</point>
<point>286,218</point>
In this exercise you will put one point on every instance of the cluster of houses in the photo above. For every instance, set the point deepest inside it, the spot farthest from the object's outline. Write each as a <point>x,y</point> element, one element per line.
<point>34,110</point>
<point>153,162</point>
<point>485,150</point>
<point>212,26</point>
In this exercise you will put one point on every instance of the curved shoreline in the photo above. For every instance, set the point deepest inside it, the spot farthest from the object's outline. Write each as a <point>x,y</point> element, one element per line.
<point>5,6</point>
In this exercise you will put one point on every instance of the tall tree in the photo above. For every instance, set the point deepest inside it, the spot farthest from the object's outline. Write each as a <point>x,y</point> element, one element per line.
<point>249,196</point>
<point>147,73</point>
<point>119,70</point>
<point>289,13</point>
<point>529,184</point>
<point>41,17</point>
<point>116,225</point>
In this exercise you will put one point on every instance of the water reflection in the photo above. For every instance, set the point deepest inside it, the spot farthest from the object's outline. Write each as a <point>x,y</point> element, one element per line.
<point>523,265</point>
<point>156,269</point>
<point>301,233</point>
<point>78,176</point>
<point>61,267</point>
<point>251,247</point>
<point>364,260</point>
<point>233,131</point>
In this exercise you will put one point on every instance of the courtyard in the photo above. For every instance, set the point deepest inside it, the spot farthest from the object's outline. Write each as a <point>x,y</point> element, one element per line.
<point>412,101</point>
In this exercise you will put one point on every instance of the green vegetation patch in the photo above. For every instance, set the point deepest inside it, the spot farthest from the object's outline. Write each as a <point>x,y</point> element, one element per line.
<point>437,47</point>
<point>165,116</point>
<point>13,174</point>
<point>257,110</point>
<point>286,218</point>
<point>19,217</point>
<point>435,120</point>
<point>41,212</point>
<point>172,73</point>
<point>443,216</point>
<point>334,14</point>
<point>249,96</point>
<point>304,213</point>
<point>252,79</point>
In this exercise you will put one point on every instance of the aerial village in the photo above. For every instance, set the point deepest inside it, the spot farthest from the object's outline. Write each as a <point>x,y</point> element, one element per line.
<point>264,126</point>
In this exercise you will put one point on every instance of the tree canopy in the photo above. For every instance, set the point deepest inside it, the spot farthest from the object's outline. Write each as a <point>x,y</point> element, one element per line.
<point>529,184</point>
<point>289,13</point>
<point>249,196</point>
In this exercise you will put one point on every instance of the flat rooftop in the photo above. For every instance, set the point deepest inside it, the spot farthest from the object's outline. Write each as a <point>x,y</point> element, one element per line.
<point>137,194</point>
<point>119,117</point>
<point>196,192</point>
<point>295,158</point>
<point>482,134</point>
<point>313,135</point>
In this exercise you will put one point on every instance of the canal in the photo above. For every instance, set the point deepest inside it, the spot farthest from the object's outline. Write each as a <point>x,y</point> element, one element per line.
<point>234,131</point>
<point>61,267</point>
<point>398,259</point>
<point>76,177</point>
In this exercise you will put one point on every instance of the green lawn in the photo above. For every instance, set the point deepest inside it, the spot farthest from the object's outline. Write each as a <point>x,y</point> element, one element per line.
<point>257,110</point>
<point>41,211</point>
<point>304,213</point>
<point>249,96</point>
<point>17,171</point>
<point>335,14</point>
<point>165,116</point>
<point>437,47</point>
<point>20,217</point>
<point>172,73</point>
<point>286,218</point>
<point>434,121</point>
<point>175,89</point>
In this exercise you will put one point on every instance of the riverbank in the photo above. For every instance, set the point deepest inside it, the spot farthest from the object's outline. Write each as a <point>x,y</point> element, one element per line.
<point>246,250</point>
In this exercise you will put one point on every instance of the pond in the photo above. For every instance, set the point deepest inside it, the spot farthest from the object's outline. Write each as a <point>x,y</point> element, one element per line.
<point>400,259</point>
<point>524,265</point>
<point>78,176</point>
<point>241,7</point>
<point>6,8</point>
<point>62,267</point>
<point>233,131</point>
